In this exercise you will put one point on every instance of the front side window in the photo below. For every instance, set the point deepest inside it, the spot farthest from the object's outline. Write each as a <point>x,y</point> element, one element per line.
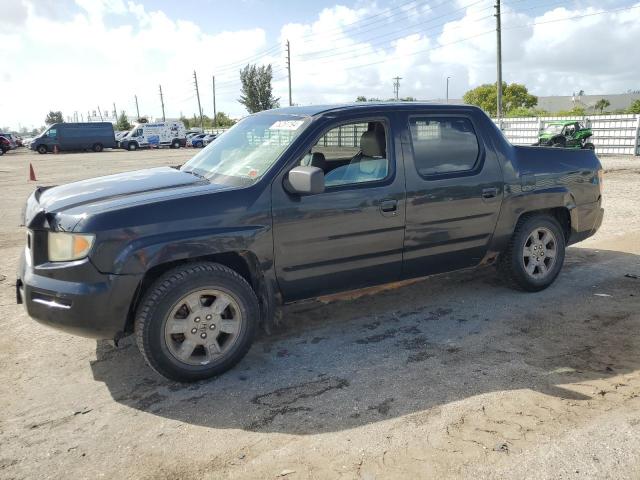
<point>351,153</point>
<point>52,132</point>
<point>443,145</point>
<point>248,149</point>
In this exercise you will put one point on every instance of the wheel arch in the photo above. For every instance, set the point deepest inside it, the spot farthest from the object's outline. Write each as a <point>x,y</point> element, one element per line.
<point>243,262</point>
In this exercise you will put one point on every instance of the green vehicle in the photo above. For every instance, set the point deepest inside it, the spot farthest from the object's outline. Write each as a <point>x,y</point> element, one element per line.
<point>566,134</point>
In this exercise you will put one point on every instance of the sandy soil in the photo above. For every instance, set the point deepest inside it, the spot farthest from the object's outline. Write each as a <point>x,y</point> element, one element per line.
<point>456,376</point>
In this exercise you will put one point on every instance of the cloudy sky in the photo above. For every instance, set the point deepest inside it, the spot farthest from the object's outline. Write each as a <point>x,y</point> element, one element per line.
<point>78,55</point>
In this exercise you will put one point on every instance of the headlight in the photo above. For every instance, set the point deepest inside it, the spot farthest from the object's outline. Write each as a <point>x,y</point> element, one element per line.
<point>64,247</point>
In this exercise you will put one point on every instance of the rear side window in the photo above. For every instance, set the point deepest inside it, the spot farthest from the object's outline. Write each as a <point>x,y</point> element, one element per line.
<point>443,145</point>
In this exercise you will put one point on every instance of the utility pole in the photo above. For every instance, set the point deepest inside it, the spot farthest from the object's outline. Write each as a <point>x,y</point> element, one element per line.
<point>499,53</point>
<point>448,89</point>
<point>396,87</point>
<point>81,118</point>
<point>195,82</point>
<point>115,111</point>
<point>88,116</point>
<point>100,113</point>
<point>162,102</point>
<point>289,70</point>
<point>137,108</point>
<point>213,79</point>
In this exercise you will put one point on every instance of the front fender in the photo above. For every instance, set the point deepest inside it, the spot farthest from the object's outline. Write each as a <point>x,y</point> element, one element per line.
<point>141,254</point>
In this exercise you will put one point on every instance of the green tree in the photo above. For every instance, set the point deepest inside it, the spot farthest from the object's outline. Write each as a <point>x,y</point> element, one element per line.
<point>574,112</point>
<point>54,117</point>
<point>257,92</point>
<point>514,96</point>
<point>186,121</point>
<point>527,112</point>
<point>602,104</point>
<point>143,120</point>
<point>635,107</point>
<point>123,123</point>
<point>361,98</point>
<point>223,120</point>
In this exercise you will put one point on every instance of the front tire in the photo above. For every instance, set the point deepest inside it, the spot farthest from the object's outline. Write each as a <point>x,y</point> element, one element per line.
<point>42,149</point>
<point>196,321</point>
<point>132,146</point>
<point>589,146</point>
<point>535,253</point>
<point>175,144</point>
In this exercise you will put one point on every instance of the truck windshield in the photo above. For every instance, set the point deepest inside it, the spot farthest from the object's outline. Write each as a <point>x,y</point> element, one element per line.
<point>243,154</point>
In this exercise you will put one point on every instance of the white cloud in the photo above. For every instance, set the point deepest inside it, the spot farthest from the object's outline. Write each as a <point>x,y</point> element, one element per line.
<point>79,57</point>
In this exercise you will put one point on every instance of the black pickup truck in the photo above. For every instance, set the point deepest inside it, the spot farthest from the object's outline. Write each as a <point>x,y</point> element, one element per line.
<point>291,204</point>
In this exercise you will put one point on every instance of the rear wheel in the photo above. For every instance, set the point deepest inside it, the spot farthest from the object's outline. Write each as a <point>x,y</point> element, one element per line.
<point>97,147</point>
<point>589,146</point>
<point>196,321</point>
<point>42,149</point>
<point>535,253</point>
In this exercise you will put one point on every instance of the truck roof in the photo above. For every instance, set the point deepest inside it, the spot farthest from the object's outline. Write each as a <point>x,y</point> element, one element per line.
<point>311,110</point>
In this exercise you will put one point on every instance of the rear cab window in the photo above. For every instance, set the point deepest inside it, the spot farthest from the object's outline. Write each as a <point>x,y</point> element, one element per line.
<point>443,145</point>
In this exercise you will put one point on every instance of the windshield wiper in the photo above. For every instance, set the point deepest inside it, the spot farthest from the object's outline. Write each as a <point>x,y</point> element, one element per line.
<point>194,173</point>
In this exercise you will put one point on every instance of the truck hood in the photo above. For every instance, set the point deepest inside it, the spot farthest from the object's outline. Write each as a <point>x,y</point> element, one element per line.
<point>111,190</point>
<point>112,186</point>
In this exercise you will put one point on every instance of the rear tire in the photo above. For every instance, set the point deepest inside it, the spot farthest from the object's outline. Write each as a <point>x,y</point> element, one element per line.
<point>535,254</point>
<point>589,146</point>
<point>196,321</point>
<point>97,147</point>
<point>42,149</point>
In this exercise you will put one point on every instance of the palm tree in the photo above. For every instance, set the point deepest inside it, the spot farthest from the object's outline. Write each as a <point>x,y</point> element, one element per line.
<point>602,104</point>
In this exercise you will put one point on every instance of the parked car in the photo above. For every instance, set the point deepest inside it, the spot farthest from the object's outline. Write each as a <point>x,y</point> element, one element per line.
<point>194,259</point>
<point>11,138</point>
<point>157,134</point>
<point>208,139</point>
<point>75,136</point>
<point>196,141</point>
<point>5,145</point>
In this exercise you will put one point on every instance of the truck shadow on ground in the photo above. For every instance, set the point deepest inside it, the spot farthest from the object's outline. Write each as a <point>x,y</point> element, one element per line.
<point>346,363</point>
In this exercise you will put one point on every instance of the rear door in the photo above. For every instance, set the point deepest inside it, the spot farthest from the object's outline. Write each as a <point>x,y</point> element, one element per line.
<point>351,235</point>
<point>454,192</point>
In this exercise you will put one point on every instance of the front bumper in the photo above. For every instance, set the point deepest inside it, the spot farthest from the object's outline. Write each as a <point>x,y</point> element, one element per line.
<point>76,298</point>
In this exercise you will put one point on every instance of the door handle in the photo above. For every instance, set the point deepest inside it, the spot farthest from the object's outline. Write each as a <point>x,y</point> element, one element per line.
<point>488,193</point>
<point>388,206</point>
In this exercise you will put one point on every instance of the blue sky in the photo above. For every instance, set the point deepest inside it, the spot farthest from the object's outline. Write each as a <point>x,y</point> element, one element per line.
<point>81,55</point>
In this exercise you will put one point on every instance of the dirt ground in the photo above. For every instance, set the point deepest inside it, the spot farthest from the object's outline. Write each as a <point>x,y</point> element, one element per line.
<point>455,376</point>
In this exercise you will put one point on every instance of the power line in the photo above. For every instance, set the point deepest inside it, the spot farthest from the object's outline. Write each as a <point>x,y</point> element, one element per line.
<point>377,34</point>
<point>349,50</point>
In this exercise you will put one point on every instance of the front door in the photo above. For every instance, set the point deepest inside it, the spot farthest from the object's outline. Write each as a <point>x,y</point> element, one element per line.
<point>454,193</point>
<point>351,235</point>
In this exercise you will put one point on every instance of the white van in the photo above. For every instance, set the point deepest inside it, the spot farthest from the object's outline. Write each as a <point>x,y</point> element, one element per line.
<point>157,134</point>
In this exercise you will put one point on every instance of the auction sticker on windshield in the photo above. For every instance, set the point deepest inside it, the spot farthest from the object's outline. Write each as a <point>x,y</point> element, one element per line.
<point>286,125</point>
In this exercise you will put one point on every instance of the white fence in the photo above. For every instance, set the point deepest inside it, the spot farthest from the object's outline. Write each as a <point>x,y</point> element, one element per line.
<point>612,134</point>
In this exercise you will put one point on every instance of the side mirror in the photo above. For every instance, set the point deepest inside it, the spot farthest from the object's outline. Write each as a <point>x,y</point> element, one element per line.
<point>305,180</point>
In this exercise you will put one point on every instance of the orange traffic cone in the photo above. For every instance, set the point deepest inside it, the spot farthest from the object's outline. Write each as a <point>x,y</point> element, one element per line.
<point>32,174</point>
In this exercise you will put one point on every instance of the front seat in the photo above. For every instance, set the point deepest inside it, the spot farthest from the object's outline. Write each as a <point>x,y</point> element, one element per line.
<point>371,163</point>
